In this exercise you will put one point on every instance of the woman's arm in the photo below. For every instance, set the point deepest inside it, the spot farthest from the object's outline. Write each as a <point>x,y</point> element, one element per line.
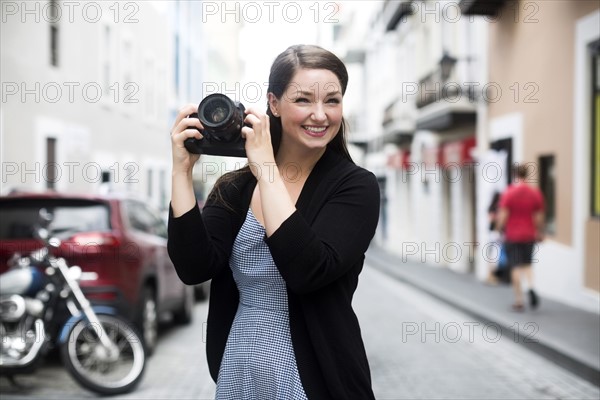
<point>182,191</point>
<point>275,200</point>
<point>198,245</point>
<point>312,256</point>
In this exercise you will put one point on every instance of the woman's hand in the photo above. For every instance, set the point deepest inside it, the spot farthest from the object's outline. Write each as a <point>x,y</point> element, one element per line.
<point>259,149</point>
<point>184,128</point>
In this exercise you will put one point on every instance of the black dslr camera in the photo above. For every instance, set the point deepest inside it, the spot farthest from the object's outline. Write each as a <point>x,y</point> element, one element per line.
<point>222,120</point>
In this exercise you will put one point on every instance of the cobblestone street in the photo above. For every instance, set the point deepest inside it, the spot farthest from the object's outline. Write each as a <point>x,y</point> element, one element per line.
<point>419,348</point>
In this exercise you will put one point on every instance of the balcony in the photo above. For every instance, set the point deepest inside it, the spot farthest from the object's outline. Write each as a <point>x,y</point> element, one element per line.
<point>445,104</point>
<point>446,107</point>
<point>481,7</point>
<point>399,123</point>
<point>394,11</point>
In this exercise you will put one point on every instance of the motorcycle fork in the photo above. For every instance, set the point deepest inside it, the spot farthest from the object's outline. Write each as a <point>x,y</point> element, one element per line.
<point>83,302</point>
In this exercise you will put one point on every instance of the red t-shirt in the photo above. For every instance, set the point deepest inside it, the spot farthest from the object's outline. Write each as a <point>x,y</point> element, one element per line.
<point>522,202</point>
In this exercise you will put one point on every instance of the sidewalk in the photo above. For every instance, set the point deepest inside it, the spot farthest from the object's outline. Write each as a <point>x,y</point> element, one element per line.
<point>566,335</point>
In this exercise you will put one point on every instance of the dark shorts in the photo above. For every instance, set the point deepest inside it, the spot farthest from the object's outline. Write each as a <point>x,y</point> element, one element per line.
<point>519,253</point>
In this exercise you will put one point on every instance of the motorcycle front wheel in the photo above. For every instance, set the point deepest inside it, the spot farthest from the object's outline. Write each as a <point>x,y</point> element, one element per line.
<point>87,359</point>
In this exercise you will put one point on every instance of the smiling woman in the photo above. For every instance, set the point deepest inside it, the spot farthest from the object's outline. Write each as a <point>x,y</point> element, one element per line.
<point>284,255</point>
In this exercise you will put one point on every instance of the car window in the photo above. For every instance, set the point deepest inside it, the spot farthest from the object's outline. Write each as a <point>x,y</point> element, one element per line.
<point>19,217</point>
<point>144,219</point>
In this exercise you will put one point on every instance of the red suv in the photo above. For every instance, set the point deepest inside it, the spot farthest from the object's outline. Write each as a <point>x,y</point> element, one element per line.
<point>121,239</point>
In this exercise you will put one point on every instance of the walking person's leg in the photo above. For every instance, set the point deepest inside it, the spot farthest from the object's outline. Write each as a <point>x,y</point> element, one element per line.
<point>533,297</point>
<point>515,277</point>
<point>514,254</point>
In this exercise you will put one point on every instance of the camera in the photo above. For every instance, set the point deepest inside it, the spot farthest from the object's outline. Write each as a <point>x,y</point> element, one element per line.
<point>222,120</point>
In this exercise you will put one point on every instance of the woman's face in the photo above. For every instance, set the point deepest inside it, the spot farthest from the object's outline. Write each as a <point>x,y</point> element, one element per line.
<point>310,109</point>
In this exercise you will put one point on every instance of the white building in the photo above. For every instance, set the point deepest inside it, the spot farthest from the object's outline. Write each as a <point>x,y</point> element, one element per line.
<point>87,95</point>
<point>421,65</point>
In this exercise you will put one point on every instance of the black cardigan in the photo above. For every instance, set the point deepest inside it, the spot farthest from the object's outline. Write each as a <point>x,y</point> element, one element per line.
<point>319,251</point>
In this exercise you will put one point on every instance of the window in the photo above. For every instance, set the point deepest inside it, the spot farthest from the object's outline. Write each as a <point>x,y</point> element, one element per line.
<point>54,45</point>
<point>188,67</point>
<point>547,186</point>
<point>337,30</point>
<point>53,10</point>
<point>143,219</point>
<point>506,146</point>
<point>150,182</point>
<point>595,156</point>
<point>127,63</point>
<point>160,99</point>
<point>106,60</point>
<point>150,109</point>
<point>176,67</point>
<point>20,216</point>
<point>51,166</point>
<point>162,184</point>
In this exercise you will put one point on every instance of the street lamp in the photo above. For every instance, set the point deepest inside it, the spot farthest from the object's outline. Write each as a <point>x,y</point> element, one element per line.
<point>447,63</point>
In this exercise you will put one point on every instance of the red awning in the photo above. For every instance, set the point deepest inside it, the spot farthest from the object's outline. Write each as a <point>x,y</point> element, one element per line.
<point>405,159</point>
<point>399,159</point>
<point>431,156</point>
<point>457,152</point>
<point>394,160</point>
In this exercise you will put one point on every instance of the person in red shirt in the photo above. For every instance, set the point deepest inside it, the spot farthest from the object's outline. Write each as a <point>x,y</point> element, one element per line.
<point>521,217</point>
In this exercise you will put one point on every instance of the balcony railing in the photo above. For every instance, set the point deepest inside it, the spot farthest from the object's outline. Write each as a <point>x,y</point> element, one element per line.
<point>432,91</point>
<point>441,85</point>
<point>443,102</point>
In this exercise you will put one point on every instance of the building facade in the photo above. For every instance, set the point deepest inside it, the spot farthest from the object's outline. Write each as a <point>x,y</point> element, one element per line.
<point>423,64</point>
<point>455,96</point>
<point>547,118</point>
<point>88,93</point>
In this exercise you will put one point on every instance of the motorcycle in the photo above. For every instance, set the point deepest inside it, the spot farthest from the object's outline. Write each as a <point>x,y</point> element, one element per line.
<point>43,307</point>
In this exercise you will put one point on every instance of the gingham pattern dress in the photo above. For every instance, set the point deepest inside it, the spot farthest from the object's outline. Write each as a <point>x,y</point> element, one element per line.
<point>259,361</point>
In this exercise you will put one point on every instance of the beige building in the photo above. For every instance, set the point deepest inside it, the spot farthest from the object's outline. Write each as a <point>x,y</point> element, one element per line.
<point>543,56</point>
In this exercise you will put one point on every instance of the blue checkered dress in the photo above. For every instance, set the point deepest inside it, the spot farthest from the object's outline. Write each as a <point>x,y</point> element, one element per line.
<point>259,361</point>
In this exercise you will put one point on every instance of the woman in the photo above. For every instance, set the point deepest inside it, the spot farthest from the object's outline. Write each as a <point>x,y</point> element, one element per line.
<point>283,241</point>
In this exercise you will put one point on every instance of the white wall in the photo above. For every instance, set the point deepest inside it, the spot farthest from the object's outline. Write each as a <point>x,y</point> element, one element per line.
<point>113,122</point>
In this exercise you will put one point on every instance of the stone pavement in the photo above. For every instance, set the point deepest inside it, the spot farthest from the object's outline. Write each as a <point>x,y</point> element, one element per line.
<point>566,335</point>
<point>418,346</point>
<point>421,348</point>
<point>177,370</point>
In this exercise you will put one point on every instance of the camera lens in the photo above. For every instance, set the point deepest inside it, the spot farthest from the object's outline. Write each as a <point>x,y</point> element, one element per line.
<point>215,111</point>
<point>221,117</point>
<point>219,114</point>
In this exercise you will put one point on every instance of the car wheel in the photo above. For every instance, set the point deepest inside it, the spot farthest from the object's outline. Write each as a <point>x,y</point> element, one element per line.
<point>184,315</point>
<point>149,320</point>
